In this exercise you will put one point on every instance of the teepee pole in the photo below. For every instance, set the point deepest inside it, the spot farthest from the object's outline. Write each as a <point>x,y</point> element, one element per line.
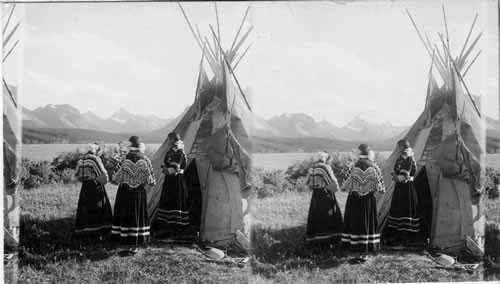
<point>462,79</point>
<point>8,53</point>
<point>467,39</point>
<point>446,58</point>
<point>8,20</point>
<point>213,55</point>
<point>212,64</point>
<point>200,68</point>
<point>241,57</point>
<point>217,16</point>
<point>470,48</point>
<point>189,24</point>
<point>239,30</point>
<point>438,61</point>
<point>12,32</point>
<point>419,35</point>
<point>446,28</point>
<point>233,51</point>
<point>10,94</point>
<point>210,57</point>
<point>477,55</point>
<point>440,64</point>
<point>232,71</point>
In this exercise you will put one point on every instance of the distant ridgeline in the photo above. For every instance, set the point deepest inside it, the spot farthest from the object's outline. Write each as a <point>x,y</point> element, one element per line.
<point>257,144</point>
<point>69,136</point>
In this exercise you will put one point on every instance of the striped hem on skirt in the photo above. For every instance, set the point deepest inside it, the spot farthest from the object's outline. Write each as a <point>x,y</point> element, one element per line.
<point>177,217</point>
<point>404,224</point>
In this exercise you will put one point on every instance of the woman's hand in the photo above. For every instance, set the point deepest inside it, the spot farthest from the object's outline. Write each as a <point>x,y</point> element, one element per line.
<point>394,177</point>
<point>333,187</point>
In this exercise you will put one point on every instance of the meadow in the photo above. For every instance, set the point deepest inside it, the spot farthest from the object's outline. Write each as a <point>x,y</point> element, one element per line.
<point>282,256</point>
<point>50,253</point>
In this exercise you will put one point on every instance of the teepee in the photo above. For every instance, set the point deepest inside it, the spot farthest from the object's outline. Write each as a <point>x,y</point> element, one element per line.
<point>11,140</point>
<point>448,141</point>
<point>215,134</point>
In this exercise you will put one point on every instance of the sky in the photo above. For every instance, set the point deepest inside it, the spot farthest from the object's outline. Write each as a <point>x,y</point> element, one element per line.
<point>330,60</point>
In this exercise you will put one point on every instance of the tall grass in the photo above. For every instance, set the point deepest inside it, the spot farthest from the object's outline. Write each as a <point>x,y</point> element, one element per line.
<point>49,253</point>
<point>282,256</point>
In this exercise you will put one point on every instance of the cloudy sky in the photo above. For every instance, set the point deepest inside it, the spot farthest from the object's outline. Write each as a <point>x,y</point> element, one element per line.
<point>330,60</point>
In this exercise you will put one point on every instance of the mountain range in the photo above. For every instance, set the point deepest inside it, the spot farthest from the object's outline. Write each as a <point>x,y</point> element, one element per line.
<point>285,125</point>
<point>302,125</point>
<point>67,116</point>
<point>60,123</point>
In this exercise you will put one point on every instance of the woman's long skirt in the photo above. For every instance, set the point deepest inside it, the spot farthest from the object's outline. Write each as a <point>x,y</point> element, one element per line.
<point>324,222</point>
<point>360,224</point>
<point>174,203</point>
<point>93,214</point>
<point>130,220</point>
<point>403,215</point>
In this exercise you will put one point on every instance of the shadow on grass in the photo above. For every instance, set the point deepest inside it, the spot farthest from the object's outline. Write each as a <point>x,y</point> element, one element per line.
<point>42,242</point>
<point>492,250</point>
<point>285,249</point>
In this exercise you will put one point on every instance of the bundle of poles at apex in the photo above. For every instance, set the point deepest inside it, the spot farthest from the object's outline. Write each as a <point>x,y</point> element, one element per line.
<point>444,62</point>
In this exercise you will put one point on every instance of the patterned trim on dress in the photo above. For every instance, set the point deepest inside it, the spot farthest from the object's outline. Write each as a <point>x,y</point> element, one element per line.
<point>364,182</point>
<point>404,224</point>
<point>174,216</point>
<point>130,231</point>
<point>90,167</point>
<point>360,239</point>
<point>320,175</point>
<point>135,174</point>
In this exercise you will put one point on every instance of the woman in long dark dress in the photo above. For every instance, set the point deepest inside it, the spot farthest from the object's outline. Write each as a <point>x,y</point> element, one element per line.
<point>93,214</point>
<point>361,233</point>
<point>404,222</point>
<point>131,221</point>
<point>324,222</point>
<point>174,200</point>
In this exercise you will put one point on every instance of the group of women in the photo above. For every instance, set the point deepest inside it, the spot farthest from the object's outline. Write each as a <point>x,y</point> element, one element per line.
<point>129,223</point>
<point>358,231</point>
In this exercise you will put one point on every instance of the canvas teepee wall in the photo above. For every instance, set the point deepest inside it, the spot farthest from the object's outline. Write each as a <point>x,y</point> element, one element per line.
<point>11,139</point>
<point>215,136</point>
<point>448,141</point>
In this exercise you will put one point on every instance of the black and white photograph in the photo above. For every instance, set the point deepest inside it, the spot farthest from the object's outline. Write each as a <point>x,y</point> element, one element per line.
<point>251,142</point>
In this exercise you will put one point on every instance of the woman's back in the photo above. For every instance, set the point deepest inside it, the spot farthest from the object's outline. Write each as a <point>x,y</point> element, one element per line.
<point>135,170</point>
<point>365,177</point>
<point>89,167</point>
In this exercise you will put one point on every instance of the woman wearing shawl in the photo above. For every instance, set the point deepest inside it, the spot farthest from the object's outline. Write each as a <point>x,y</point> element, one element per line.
<point>324,222</point>
<point>174,201</point>
<point>130,220</point>
<point>93,214</point>
<point>361,233</point>
<point>403,222</point>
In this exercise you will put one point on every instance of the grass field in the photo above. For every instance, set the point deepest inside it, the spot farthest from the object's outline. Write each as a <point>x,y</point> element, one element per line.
<point>280,254</point>
<point>49,254</point>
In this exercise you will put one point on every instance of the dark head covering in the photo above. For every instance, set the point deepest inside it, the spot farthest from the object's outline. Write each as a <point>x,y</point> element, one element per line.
<point>135,140</point>
<point>174,137</point>
<point>405,144</point>
<point>365,149</point>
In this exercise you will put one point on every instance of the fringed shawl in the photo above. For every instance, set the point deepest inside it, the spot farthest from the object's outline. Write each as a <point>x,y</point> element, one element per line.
<point>320,175</point>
